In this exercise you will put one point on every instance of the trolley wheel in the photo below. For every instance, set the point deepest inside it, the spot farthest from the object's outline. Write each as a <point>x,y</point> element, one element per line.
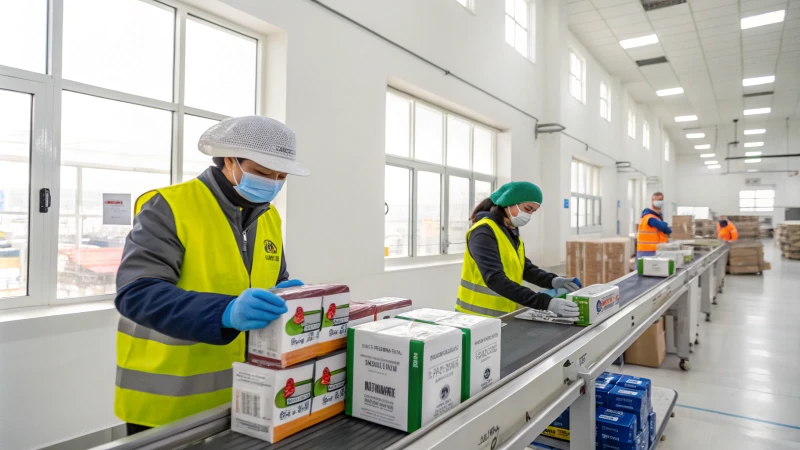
<point>672,414</point>
<point>714,302</point>
<point>690,350</point>
<point>697,342</point>
<point>685,365</point>
<point>663,437</point>
<point>708,317</point>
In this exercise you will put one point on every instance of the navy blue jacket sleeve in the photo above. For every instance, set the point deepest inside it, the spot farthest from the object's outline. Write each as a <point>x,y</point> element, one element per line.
<point>659,225</point>
<point>168,309</point>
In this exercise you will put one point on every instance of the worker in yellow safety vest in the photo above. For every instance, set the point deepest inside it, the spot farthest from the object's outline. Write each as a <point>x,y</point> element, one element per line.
<point>195,272</point>
<point>652,228</point>
<point>726,230</point>
<point>495,264</point>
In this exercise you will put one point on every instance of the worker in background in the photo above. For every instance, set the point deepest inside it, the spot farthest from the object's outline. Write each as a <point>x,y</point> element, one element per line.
<point>195,272</point>
<point>726,231</point>
<point>495,264</point>
<point>652,228</point>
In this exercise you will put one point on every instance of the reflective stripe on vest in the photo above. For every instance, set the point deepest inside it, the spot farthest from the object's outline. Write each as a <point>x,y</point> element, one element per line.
<point>474,297</point>
<point>161,379</point>
<point>648,238</point>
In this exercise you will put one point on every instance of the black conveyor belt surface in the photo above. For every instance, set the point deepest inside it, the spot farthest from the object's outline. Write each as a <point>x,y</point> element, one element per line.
<point>522,342</point>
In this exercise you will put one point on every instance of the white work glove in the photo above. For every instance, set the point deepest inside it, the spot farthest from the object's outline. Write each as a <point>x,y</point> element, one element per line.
<point>563,308</point>
<point>570,284</point>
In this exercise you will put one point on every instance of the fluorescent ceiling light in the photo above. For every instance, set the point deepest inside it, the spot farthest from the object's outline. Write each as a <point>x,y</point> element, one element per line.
<point>716,166</point>
<point>695,135</point>
<point>752,153</point>
<point>685,118</point>
<point>752,170</point>
<point>750,112</point>
<point>640,41</point>
<point>707,155</point>
<point>702,146</point>
<point>763,19</point>
<point>758,80</point>
<point>751,161</point>
<point>753,144</point>
<point>710,162</point>
<point>754,131</point>
<point>670,91</point>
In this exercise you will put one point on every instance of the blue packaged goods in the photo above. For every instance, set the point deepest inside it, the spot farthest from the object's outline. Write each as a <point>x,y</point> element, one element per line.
<point>630,400</point>
<point>639,443</point>
<point>601,390</point>
<point>652,425</point>
<point>615,426</point>
<point>559,429</point>
<point>608,377</point>
<point>636,383</point>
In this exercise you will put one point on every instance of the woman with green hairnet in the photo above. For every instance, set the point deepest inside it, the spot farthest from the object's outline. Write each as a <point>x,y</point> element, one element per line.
<point>495,264</point>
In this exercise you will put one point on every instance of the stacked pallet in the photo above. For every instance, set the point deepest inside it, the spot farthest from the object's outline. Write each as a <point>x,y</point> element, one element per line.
<point>747,226</point>
<point>705,228</point>
<point>598,260</point>
<point>747,257</point>
<point>682,228</point>
<point>788,234</point>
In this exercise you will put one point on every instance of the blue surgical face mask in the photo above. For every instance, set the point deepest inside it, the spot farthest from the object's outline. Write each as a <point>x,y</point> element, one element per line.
<point>257,189</point>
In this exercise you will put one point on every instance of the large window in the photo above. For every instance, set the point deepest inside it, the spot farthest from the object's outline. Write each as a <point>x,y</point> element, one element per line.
<point>519,18</point>
<point>758,200</point>
<point>439,165</point>
<point>605,102</point>
<point>646,135</point>
<point>586,202</point>
<point>577,76</point>
<point>631,124</point>
<point>132,107</point>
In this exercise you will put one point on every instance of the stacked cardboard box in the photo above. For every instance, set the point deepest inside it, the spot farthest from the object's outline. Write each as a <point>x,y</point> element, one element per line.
<point>747,257</point>
<point>682,228</point>
<point>598,261</point>
<point>616,253</point>
<point>705,228</point>
<point>789,238</point>
<point>575,253</point>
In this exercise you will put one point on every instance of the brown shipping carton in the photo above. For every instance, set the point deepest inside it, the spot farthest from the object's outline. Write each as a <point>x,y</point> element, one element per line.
<point>575,249</point>
<point>593,266</point>
<point>616,259</point>
<point>651,347</point>
<point>744,269</point>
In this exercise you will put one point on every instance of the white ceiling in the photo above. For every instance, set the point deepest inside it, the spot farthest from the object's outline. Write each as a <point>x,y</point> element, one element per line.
<point>709,55</point>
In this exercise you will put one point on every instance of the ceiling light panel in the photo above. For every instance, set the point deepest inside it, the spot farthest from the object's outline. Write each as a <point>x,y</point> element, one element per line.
<point>711,162</point>
<point>752,112</point>
<point>752,161</point>
<point>752,153</point>
<point>639,41</point>
<point>702,147</point>
<point>695,135</point>
<point>754,131</point>
<point>670,91</point>
<point>707,155</point>
<point>753,144</point>
<point>758,80</point>
<point>691,118</point>
<point>752,170</point>
<point>763,19</point>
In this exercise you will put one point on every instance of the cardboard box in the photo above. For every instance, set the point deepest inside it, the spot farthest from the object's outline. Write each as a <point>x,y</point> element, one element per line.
<point>630,400</point>
<point>330,381</point>
<point>601,390</point>
<point>738,270</point>
<point>616,257</point>
<point>271,404</point>
<point>360,313</point>
<point>609,377</point>
<point>335,317</point>
<point>651,347</point>
<point>616,426</point>
<point>559,428</point>
<point>593,264</point>
<point>639,384</point>
<point>480,346</point>
<point>682,227</point>
<point>655,267</point>
<point>403,374</point>
<point>575,253</point>
<point>388,307</point>
<point>595,303</point>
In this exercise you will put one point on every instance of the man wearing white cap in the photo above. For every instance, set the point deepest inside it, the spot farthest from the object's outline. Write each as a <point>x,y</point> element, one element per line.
<point>195,273</point>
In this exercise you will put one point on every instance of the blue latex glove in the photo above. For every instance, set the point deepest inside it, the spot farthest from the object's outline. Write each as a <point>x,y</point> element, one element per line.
<point>555,292</point>
<point>288,284</point>
<point>254,308</point>
<point>570,284</point>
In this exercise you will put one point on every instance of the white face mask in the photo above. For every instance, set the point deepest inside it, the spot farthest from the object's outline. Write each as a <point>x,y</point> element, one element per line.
<point>521,219</point>
<point>658,203</point>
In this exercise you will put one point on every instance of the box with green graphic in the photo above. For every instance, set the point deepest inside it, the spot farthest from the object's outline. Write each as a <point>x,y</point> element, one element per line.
<point>335,317</point>
<point>595,302</point>
<point>271,404</point>
<point>681,257</point>
<point>330,379</point>
<point>651,266</point>
<point>402,374</point>
<point>480,346</point>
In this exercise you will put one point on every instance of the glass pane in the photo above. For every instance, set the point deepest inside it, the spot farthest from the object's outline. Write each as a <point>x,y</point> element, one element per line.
<point>510,25</point>
<point>521,13</point>
<point>429,213</point>
<point>24,22</point>
<point>482,150</point>
<point>761,202</point>
<point>581,212</point>
<point>521,40</point>
<point>595,181</point>
<point>125,45</point>
<point>106,147</point>
<point>397,220</point>
<point>483,189</point>
<point>398,125</point>
<point>194,162</point>
<point>763,209</point>
<point>15,147</point>
<point>746,202</point>
<point>573,212</point>
<point>582,179</point>
<point>765,194</point>
<point>747,209</point>
<point>747,194</point>
<point>457,143</point>
<point>220,69</point>
<point>510,7</point>
<point>573,178</point>
<point>458,214</point>
<point>597,212</point>
<point>589,212</point>
<point>428,134</point>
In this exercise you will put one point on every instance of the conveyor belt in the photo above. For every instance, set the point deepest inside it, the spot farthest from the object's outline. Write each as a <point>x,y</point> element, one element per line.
<point>522,342</point>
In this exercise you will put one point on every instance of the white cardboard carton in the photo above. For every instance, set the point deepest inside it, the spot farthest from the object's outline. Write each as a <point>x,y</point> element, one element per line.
<point>271,404</point>
<point>655,267</point>
<point>681,257</point>
<point>595,302</point>
<point>335,318</point>
<point>388,307</point>
<point>330,379</point>
<point>403,374</point>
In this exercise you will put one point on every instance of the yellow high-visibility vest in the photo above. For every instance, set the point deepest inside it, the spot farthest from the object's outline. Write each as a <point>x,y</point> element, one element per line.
<point>161,379</point>
<point>474,297</point>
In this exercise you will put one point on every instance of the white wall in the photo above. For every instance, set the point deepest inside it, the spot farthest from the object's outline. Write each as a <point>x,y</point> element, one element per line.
<point>335,78</point>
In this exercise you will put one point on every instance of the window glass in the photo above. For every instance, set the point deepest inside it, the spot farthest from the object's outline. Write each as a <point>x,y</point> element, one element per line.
<point>483,189</point>
<point>458,215</point>
<point>483,155</point>
<point>765,194</point>
<point>24,23</point>
<point>397,219</point>
<point>428,134</point>
<point>573,212</point>
<point>581,212</point>
<point>457,143</point>
<point>104,45</point>
<point>517,24</point>
<point>581,178</point>
<point>398,125</point>
<point>220,69</point>
<point>429,216</point>
<point>194,162</point>
<point>573,179</point>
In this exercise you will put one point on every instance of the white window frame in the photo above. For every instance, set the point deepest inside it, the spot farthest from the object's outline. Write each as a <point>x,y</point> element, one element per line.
<point>445,172</point>
<point>605,102</point>
<point>591,173</point>
<point>529,27</point>
<point>469,5</point>
<point>758,210</point>
<point>646,134</point>
<point>46,160</point>
<point>580,77</point>
<point>631,124</point>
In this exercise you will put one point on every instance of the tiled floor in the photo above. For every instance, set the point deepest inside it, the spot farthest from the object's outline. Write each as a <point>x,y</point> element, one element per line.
<point>746,368</point>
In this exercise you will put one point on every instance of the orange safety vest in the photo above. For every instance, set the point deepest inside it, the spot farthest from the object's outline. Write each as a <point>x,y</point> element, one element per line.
<point>649,237</point>
<point>729,233</point>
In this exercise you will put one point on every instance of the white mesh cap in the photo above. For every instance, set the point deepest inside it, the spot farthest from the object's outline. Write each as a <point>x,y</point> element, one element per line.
<point>260,139</point>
